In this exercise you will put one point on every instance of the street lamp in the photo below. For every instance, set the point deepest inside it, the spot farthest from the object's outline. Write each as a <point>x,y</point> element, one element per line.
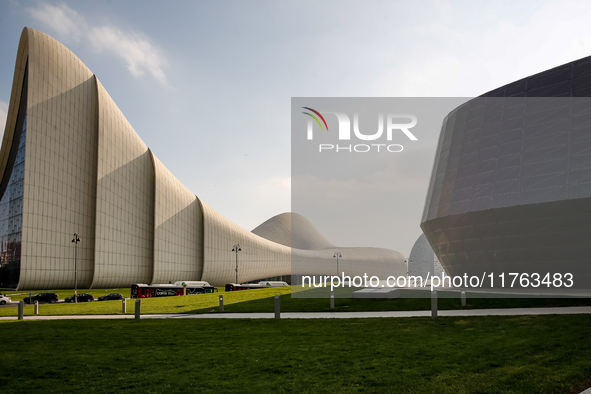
<point>408,262</point>
<point>236,248</point>
<point>337,255</point>
<point>75,241</point>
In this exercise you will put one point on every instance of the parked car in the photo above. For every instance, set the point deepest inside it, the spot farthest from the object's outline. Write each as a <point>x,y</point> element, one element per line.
<point>111,296</point>
<point>81,298</point>
<point>42,297</point>
<point>4,300</point>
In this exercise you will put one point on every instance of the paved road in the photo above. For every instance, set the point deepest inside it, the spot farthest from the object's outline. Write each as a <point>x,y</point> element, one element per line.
<point>332,315</point>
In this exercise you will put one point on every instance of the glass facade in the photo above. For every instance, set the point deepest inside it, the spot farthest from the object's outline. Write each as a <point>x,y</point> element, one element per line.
<point>11,202</point>
<point>11,218</point>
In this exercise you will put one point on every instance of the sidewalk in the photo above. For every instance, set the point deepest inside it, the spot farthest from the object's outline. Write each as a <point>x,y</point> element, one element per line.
<point>332,315</point>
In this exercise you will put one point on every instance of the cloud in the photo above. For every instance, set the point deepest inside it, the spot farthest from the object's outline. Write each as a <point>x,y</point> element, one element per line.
<point>64,20</point>
<point>137,51</point>
<point>134,48</point>
<point>3,114</point>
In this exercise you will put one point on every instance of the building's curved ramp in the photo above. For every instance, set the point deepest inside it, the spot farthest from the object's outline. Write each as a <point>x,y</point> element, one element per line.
<point>313,254</point>
<point>293,230</point>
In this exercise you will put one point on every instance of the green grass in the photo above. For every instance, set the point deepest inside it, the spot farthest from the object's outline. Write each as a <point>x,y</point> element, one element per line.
<point>533,354</point>
<point>261,300</point>
<point>201,303</point>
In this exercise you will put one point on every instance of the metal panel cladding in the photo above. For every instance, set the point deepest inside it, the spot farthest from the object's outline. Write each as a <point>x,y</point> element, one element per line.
<point>510,189</point>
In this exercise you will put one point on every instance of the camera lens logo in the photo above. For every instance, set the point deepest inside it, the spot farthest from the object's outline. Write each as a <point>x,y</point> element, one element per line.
<point>316,119</point>
<point>393,124</point>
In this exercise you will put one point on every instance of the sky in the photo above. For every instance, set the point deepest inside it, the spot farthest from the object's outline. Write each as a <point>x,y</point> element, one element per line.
<point>207,85</point>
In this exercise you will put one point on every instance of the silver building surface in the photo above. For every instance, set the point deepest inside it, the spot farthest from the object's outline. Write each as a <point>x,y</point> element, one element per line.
<point>70,162</point>
<point>423,261</point>
<point>510,190</point>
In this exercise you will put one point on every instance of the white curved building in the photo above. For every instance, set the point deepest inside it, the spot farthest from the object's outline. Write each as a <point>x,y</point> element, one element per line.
<point>422,260</point>
<point>312,253</point>
<point>70,162</point>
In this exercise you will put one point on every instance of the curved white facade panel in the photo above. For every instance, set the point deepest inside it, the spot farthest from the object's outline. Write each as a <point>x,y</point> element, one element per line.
<point>313,254</point>
<point>293,229</point>
<point>59,185</point>
<point>125,201</point>
<point>259,258</point>
<point>178,229</point>
<point>70,162</point>
<point>353,262</point>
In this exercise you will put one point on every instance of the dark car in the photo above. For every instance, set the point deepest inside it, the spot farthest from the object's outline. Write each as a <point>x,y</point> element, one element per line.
<point>42,297</point>
<point>81,298</point>
<point>111,296</point>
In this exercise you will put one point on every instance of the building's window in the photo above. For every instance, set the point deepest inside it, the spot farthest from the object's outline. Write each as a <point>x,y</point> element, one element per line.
<point>11,202</point>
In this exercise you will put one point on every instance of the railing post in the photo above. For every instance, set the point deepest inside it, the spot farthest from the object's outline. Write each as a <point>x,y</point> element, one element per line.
<point>21,310</point>
<point>124,306</point>
<point>434,304</point>
<point>463,296</point>
<point>221,302</point>
<point>36,307</point>
<point>138,304</point>
<point>277,307</point>
<point>331,300</point>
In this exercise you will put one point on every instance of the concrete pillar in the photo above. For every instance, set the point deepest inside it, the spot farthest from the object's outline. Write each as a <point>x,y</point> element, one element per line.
<point>463,296</point>
<point>21,310</point>
<point>36,307</point>
<point>221,302</point>
<point>124,306</point>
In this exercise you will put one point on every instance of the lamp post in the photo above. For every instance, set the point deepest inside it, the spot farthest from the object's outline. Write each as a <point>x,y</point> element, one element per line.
<point>408,262</point>
<point>337,255</point>
<point>75,241</point>
<point>236,248</point>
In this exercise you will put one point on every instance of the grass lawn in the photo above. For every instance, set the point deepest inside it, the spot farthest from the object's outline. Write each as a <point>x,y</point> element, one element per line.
<point>531,354</point>
<point>261,300</point>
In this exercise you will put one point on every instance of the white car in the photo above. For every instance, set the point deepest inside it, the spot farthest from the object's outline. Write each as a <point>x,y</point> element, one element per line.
<point>4,300</point>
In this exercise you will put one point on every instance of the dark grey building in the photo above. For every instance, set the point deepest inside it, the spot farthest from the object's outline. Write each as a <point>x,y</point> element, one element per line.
<point>510,190</point>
